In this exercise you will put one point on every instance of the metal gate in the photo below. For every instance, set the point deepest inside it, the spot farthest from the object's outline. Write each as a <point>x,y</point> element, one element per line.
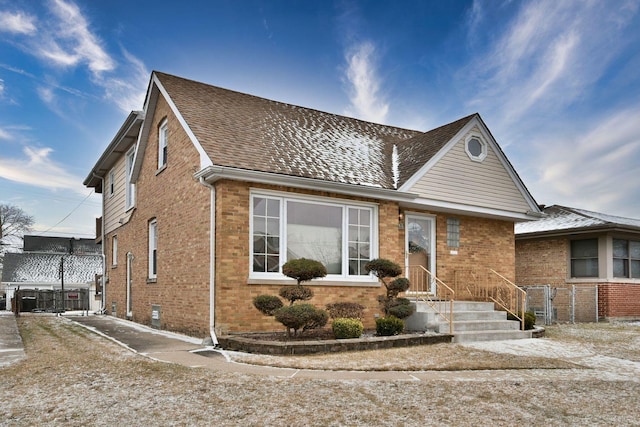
<point>553,304</point>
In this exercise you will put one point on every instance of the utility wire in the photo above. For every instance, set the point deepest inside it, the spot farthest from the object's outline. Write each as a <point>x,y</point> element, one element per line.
<point>68,215</point>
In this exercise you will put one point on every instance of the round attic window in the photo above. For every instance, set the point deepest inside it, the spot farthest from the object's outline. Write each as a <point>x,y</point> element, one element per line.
<point>476,148</point>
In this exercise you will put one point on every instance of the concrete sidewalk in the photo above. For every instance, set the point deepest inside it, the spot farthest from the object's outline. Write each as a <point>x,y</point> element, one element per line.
<point>11,348</point>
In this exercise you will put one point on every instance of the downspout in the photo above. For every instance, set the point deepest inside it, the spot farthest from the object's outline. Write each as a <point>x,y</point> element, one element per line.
<point>103,300</point>
<point>212,262</point>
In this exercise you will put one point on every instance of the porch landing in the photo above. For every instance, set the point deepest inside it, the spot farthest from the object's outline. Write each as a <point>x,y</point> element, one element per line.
<point>472,321</point>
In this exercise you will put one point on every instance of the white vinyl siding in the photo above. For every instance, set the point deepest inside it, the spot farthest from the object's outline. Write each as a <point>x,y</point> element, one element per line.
<point>457,179</point>
<point>114,206</point>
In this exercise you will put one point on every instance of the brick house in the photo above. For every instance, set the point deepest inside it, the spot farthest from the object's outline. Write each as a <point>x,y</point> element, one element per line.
<point>577,248</point>
<point>207,192</point>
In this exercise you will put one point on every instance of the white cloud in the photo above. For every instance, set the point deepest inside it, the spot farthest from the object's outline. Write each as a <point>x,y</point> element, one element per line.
<point>596,169</point>
<point>128,92</point>
<point>547,57</point>
<point>18,23</point>
<point>364,84</point>
<point>38,169</point>
<point>4,134</point>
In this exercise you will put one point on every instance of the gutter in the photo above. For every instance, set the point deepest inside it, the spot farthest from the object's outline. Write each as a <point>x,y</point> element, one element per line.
<point>211,174</point>
<point>212,262</point>
<point>103,300</point>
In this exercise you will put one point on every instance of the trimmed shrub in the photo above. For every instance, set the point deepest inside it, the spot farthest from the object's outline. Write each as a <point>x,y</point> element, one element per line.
<point>383,268</point>
<point>346,310</point>
<point>303,269</point>
<point>267,304</point>
<point>400,308</point>
<point>529,319</point>
<point>396,286</point>
<point>301,316</point>
<point>296,293</point>
<point>347,328</point>
<point>388,326</point>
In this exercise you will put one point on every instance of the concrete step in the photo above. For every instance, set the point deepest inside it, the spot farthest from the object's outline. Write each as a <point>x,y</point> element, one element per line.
<point>479,315</point>
<point>443,306</point>
<point>473,336</point>
<point>479,325</point>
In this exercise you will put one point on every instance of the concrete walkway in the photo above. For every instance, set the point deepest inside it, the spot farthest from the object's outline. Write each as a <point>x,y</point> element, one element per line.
<point>11,348</point>
<point>175,348</point>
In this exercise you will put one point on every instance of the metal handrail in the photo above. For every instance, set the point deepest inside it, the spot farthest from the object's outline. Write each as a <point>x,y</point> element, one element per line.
<point>422,281</point>
<point>477,286</point>
<point>515,300</point>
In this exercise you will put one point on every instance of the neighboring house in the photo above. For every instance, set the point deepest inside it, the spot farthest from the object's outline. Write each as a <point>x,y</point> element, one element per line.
<point>51,264</point>
<point>207,192</point>
<point>574,247</point>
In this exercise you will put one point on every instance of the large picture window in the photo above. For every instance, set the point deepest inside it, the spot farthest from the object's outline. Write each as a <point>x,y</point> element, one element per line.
<point>626,258</point>
<point>339,235</point>
<point>584,258</point>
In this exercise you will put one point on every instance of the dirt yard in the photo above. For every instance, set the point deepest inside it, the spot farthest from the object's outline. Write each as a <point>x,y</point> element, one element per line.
<point>578,375</point>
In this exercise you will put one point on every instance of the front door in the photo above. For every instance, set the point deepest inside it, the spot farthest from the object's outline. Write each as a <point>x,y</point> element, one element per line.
<point>420,251</point>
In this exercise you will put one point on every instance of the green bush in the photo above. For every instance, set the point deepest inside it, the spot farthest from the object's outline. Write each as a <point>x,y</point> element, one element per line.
<point>396,286</point>
<point>346,310</point>
<point>529,319</point>
<point>390,325</point>
<point>303,269</point>
<point>296,293</point>
<point>400,308</point>
<point>383,268</point>
<point>301,316</point>
<point>347,328</point>
<point>267,304</point>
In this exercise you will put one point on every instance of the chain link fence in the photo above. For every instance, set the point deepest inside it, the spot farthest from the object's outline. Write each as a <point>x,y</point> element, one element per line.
<point>557,304</point>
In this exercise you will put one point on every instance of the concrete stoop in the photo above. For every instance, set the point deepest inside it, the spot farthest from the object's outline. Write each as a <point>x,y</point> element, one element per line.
<point>472,321</point>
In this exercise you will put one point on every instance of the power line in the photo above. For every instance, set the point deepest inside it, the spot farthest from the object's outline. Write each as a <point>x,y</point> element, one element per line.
<point>68,215</point>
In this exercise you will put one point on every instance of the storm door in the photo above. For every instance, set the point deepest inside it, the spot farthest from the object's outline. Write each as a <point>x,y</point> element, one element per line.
<point>420,259</point>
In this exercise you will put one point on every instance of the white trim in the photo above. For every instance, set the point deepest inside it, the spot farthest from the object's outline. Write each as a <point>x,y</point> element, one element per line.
<point>344,204</point>
<point>467,210</point>
<point>483,147</point>
<point>111,183</point>
<point>432,241</point>
<point>204,157</point>
<point>130,186</point>
<point>214,173</point>
<point>152,236</point>
<point>129,302</point>
<point>114,250</point>
<point>163,137</point>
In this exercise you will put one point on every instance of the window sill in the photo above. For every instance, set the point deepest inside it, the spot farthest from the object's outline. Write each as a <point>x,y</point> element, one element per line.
<point>114,266</point>
<point>160,169</point>
<point>152,280</point>
<point>603,280</point>
<point>323,282</point>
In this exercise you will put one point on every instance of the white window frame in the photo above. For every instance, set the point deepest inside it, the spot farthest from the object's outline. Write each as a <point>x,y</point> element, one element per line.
<point>345,204</point>
<point>114,250</point>
<point>112,182</point>
<point>163,136</point>
<point>131,191</point>
<point>153,249</point>
<point>483,147</point>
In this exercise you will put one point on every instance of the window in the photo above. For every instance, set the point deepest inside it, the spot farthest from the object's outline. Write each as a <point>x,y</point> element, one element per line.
<point>153,249</point>
<point>626,258</point>
<point>114,251</point>
<point>453,232</point>
<point>338,235</point>
<point>475,147</point>
<point>128,174</point>
<point>162,144</point>
<point>584,258</point>
<point>111,183</point>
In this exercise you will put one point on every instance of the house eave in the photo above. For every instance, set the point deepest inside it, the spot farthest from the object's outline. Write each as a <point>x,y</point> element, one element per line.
<point>126,135</point>
<point>577,231</point>
<point>469,210</point>
<point>211,174</point>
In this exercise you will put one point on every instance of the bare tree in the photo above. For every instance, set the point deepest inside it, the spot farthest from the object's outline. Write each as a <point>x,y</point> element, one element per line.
<point>14,222</point>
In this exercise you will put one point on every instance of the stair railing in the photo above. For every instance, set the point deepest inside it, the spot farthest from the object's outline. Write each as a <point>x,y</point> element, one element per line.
<point>426,287</point>
<point>491,287</point>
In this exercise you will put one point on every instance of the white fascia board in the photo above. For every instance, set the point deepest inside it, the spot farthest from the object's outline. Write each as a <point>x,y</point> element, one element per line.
<point>439,155</point>
<point>533,206</point>
<point>212,174</point>
<point>461,209</point>
<point>204,157</point>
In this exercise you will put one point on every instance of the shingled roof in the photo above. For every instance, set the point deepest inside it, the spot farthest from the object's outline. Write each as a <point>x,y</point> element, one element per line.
<point>565,220</point>
<point>44,268</point>
<point>247,132</point>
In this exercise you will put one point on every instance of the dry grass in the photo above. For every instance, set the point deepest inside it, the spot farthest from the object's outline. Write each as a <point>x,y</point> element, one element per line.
<point>74,377</point>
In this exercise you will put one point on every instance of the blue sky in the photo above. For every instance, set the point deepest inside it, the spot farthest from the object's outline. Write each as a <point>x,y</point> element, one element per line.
<point>557,82</point>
